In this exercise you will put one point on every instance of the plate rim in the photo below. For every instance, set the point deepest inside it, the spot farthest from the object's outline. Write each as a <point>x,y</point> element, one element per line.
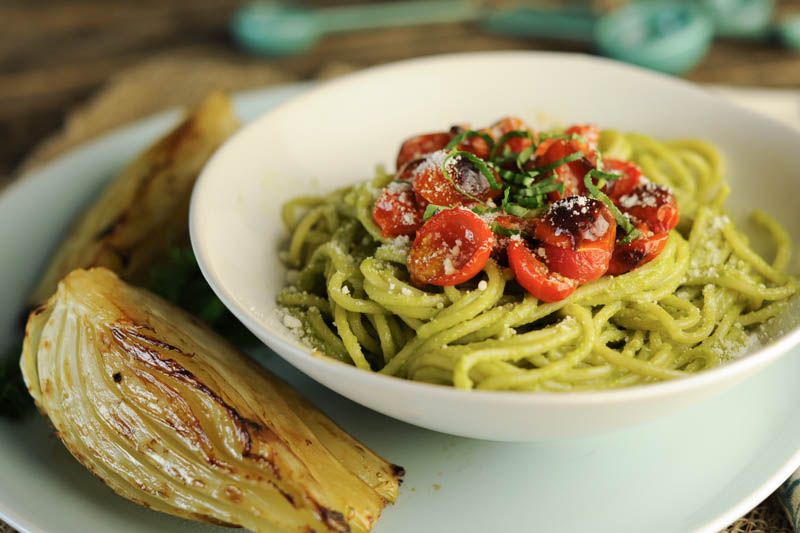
<point>45,172</point>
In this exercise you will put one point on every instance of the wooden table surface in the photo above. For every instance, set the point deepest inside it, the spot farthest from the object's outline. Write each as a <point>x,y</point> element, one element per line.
<point>55,53</point>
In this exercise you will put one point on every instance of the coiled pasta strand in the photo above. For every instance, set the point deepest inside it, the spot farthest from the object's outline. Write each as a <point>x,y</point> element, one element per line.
<point>705,298</point>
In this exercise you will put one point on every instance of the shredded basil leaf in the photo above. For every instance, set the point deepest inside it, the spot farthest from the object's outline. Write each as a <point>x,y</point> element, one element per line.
<point>517,210</point>
<point>524,156</point>
<point>563,161</point>
<point>479,163</point>
<point>432,209</point>
<point>458,139</point>
<point>513,134</point>
<point>565,136</point>
<point>505,232</point>
<point>621,219</point>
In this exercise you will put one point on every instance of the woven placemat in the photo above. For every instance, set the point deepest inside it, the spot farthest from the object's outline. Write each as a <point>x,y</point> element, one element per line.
<point>182,79</point>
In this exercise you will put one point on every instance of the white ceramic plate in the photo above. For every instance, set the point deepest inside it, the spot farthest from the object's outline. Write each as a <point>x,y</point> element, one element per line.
<point>334,135</point>
<point>697,470</point>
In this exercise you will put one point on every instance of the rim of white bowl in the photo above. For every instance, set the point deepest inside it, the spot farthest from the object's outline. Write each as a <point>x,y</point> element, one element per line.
<point>724,372</point>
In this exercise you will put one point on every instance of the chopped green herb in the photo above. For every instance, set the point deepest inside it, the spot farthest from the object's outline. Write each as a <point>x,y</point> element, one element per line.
<point>514,134</point>
<point>565,136</point>
<point>600,174</point>
<point>516,210</point>
<point>479,163</point>
<point>431,210</point>
<point>505,232</point>
<point>563,161</point>
<point>621,219</point>
<point>630,237</point>
<point>524,156</point>
<point>461,137</point>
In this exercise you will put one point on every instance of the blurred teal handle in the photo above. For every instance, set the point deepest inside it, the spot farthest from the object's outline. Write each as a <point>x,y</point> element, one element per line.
<point>273,28</point>
<point>573,25</point>
<point>364,16</point>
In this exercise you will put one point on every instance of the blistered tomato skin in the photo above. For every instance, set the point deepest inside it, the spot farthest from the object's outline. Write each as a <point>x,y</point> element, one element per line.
<point>407,171</point>
<point>515,144</point>
<point>432,186</point>
<point>422,145</point>
<point>577,236</point>
<point>589,132</point>
<point>653,205</point>
<point>630,176</point>
<point>570,174</point>
<point>627,257</point>
<point>475,144</point>
<point>535,277</point>
<point>450,248</point>
<point>396,211</point>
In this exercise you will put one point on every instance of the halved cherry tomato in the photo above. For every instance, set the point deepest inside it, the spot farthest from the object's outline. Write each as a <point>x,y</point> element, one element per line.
<point>577,235</point>
<point>422,145</point>
<point>653,205</point>
<point>629,177</point>
<point>535,277</point>
<point>396,211</point>
<point>431,185</point>
<point>515,144</point>
<point>474,144</point>
<point>450,248</point>
<point>513,225</point>
<point>629,256</point>
<point>589,132</point>
<point>570,174</point>
<point>406,172</point>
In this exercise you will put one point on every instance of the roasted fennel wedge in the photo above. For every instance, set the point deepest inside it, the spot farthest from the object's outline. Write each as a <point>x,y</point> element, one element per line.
<point>143,212</point>
<point>171,416</point>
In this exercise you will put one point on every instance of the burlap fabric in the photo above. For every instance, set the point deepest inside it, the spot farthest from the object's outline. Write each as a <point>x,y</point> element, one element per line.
<point>183,79</point>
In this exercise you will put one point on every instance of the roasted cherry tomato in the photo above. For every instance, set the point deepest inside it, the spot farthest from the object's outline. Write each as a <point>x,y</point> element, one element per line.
<point>589,132</point>
<point>630,256</point>
<point>422,145</point>
<point>504,228</point>
<point>396,211</point>
<point>468,185</point>
<point>570,174</point>
<point>535,277</point>
<point>577,235</point>
<point>653,205</point>
<point>406,172</point>
<point>515,144</point>
<point>630,175</point>
<point>474,144</point>
<point>450,248</point>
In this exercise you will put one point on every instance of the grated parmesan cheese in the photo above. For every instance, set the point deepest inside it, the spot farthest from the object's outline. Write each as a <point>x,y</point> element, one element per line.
<point>291,322</point>
<point>448,266</point>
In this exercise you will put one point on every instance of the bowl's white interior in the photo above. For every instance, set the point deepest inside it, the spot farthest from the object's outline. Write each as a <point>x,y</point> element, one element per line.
<point>335,135</point>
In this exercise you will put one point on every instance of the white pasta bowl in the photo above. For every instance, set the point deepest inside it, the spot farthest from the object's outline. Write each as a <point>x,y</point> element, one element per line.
<point>335,134</point>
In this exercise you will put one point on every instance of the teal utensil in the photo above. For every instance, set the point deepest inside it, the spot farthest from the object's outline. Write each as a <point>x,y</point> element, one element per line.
<point>741,18</point>
<point>667,36</point>
<point>789,32</point>
<point>670,37</point>
<point>276,29</point>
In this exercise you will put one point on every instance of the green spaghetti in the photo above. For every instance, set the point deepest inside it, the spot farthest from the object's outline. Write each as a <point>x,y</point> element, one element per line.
<point>702,299</point>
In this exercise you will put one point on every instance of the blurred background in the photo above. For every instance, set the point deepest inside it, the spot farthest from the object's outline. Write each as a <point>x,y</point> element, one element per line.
<point>56,56</point>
